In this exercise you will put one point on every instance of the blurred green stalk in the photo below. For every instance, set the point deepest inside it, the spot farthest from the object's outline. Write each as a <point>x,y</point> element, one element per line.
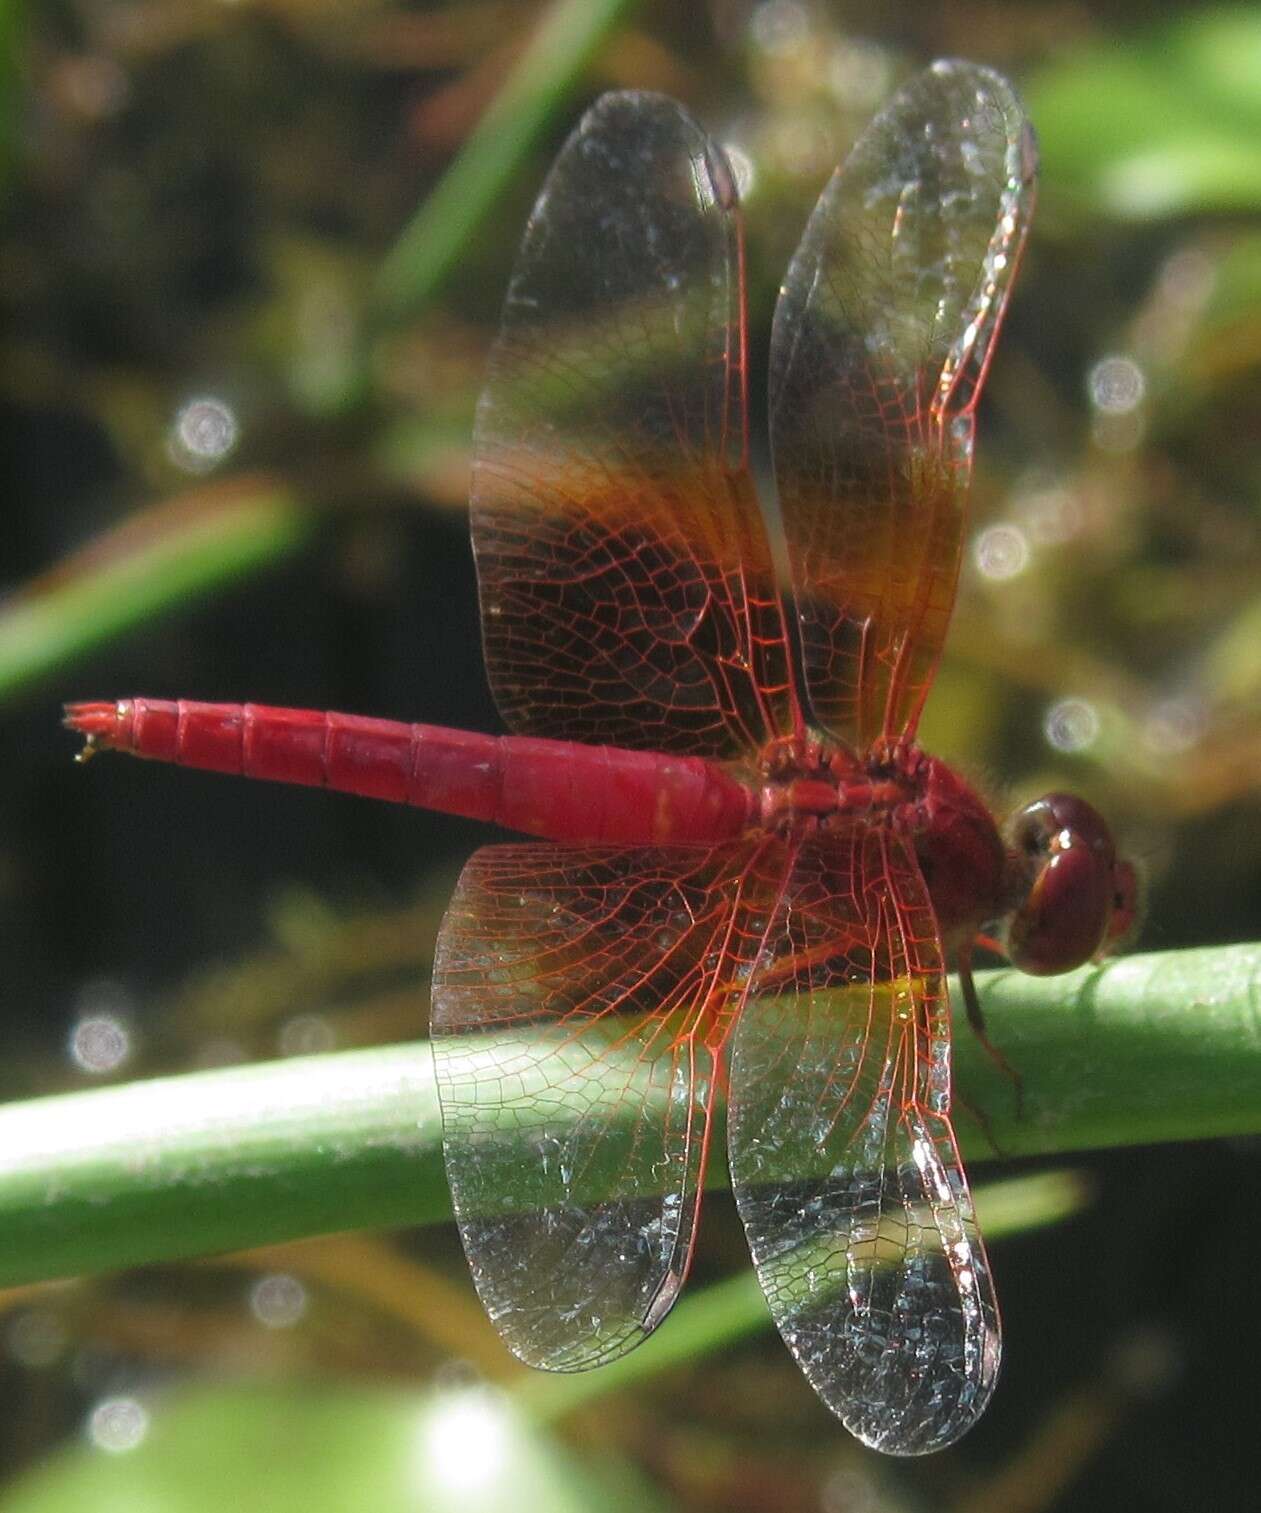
<point>155,559</point>
<point>567,38</point>
<point>1142,1049</point>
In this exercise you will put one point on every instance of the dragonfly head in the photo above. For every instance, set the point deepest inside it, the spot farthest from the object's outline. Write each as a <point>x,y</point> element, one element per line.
<point>1076,898</point>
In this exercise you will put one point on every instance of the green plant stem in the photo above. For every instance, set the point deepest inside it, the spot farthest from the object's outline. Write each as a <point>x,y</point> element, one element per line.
<point>155,559</point>
<point>567,39</point>
<point>1146,1048</point>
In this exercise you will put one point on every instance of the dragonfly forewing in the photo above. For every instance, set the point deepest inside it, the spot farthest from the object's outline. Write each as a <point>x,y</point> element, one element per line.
<point>882,336</point>
<point>627,587</point>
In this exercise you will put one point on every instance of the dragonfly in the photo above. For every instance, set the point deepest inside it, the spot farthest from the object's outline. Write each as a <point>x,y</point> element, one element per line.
<point>743,878</point>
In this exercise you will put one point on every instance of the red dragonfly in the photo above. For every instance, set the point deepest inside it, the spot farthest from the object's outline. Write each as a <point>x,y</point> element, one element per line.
<point>726,900</point>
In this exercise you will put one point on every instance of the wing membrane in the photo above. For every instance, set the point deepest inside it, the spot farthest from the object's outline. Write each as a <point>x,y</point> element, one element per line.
<point>626,581</point>
<point>843,1159</point>
<point>882,336</point>
<point>581,1001</point>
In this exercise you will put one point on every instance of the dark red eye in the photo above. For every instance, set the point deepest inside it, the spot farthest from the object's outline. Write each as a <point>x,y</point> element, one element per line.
<point>1079,895</point>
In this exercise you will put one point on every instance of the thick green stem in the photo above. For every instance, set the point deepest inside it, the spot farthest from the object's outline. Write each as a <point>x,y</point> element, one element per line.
<point>1146,1048</point>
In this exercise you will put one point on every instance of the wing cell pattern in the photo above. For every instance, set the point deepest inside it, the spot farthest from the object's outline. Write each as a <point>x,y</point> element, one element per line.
<point>883,332</point>
<point>843,1159</point>
<point>582,998</point>
<point>626,581</point>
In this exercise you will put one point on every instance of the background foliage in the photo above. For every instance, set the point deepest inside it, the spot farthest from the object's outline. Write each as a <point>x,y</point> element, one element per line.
<point>232,204</point>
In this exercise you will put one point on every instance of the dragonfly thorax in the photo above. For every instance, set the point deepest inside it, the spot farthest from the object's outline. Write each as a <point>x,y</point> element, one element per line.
<point>807,782</point>
<point>812,784</point>
<point>960,851</point>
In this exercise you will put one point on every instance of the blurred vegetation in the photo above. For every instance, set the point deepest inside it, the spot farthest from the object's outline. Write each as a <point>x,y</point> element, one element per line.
<point>240,353</point>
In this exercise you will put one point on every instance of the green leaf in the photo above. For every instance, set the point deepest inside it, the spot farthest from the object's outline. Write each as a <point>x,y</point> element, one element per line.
<point>1165,123</point>
<point>1140,1049</point>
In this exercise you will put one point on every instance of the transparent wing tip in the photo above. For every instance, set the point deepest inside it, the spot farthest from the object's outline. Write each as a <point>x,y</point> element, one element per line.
<point>988,86</point>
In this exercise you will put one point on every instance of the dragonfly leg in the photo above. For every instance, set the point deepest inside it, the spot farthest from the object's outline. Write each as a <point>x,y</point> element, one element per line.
<point>982,1119</point>
<point>977,1021</point>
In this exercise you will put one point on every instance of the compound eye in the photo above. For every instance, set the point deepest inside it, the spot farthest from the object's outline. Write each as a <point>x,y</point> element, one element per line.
<point>1068,913</point>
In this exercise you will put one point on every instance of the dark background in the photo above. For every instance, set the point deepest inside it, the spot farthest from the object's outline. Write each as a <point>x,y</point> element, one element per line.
<point>198,197</point>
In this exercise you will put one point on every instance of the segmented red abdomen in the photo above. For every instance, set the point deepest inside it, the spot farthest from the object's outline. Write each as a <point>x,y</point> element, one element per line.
<point>559,790</point>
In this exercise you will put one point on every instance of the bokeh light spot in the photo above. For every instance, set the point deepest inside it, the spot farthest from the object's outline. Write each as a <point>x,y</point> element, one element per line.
<point>100,1044</point>
<point>1001,551</point>
<point>467,1440</point>
<point>278,1300</point>
<point>118,1424</point>
<point>1116,385</point>
<point>204,434</point>
<point>306,1035</point>
<point>1071,725</point>
<point>1173,726</point>
<point>779,27</point>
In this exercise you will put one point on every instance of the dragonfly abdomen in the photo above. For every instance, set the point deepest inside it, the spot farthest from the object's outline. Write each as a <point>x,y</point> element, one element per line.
<point>558,790</point>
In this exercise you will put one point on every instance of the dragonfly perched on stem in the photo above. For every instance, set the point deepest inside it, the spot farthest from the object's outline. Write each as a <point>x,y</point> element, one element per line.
<point>745,877</point>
